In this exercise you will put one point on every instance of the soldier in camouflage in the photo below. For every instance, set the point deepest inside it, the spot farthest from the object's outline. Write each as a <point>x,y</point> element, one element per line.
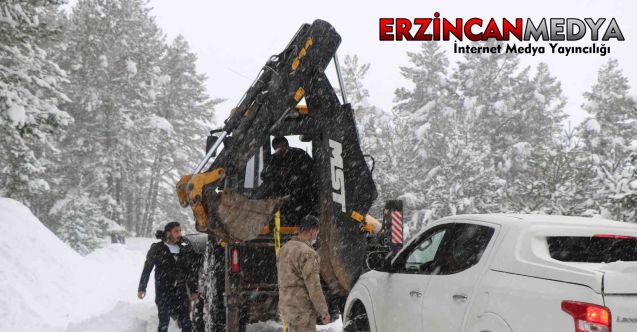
<point>301,298</point>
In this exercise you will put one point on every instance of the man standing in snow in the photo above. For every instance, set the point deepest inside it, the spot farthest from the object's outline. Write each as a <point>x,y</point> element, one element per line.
<point>172,259</point>
<point>301,298</point>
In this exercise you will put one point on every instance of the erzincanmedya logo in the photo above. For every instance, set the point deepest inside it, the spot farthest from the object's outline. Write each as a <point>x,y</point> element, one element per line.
<point>551,30</point>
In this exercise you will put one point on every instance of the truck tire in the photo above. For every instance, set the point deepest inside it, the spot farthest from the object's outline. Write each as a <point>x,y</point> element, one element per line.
<point>213,281</point>
<point>198,321</point>
<point>358,320</point>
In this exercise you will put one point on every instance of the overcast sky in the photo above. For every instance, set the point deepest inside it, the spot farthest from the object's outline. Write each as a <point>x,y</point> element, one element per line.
<point>233,39</point>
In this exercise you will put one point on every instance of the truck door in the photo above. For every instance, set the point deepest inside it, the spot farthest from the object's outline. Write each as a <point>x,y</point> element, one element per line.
<point>454,275</point>
<point>400,303</point>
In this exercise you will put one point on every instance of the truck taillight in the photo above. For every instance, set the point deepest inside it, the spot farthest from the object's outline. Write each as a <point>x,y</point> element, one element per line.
<point>235,259</point>
<point>588,317</point>
<point>617,237</point>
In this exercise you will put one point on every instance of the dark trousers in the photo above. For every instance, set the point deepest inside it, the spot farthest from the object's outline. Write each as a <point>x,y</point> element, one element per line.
<point>173,303</point>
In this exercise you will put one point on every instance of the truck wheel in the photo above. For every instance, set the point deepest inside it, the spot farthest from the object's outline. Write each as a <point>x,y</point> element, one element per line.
<point>358,320</point>
<point>213,279</point>
<point>198,320</point>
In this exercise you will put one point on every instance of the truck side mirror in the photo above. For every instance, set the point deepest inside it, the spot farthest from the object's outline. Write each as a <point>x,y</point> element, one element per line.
<point>378,261</point>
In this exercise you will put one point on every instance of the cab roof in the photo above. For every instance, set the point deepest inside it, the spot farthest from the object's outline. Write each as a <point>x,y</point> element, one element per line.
<point>538,219</point>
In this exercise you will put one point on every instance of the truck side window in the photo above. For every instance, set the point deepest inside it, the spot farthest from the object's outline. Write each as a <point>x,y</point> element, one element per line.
<point>425,251</point>
<point>254,166</point>
<point>465,247</point>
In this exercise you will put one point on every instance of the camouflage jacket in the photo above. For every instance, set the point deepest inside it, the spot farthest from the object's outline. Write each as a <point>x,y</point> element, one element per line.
<point>299,282</point>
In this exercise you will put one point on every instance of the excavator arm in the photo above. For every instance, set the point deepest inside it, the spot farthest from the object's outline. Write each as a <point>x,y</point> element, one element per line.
<point>271,107</point>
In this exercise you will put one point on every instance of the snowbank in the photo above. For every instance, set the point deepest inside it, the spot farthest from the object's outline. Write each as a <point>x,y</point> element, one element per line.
<point>39,274</point>
<point>45,285</point>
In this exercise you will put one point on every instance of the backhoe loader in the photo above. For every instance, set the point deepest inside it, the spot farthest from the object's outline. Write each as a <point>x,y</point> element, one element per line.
<point>291,96</point>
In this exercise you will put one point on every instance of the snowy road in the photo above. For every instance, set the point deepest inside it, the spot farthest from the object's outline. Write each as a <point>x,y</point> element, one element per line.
<point>122,265</point>
<point>119,267</point>
<point>46,286</point>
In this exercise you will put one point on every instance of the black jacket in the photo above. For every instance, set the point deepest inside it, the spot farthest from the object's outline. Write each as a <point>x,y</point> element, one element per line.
<point>292,174</point>
<point>170,274</point>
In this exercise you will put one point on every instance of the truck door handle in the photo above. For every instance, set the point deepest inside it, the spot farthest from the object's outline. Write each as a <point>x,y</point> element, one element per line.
<point>415,293</point>
<point>460,297</point>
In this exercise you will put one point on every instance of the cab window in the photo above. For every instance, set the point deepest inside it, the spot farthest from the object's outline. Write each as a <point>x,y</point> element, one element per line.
<point>593,249</point>
<point>465,247</point>
<point>425,252</point>
<point>421,256</point>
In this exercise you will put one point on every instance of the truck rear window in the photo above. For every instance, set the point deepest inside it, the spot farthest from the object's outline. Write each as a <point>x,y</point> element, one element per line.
<point>592,249</point>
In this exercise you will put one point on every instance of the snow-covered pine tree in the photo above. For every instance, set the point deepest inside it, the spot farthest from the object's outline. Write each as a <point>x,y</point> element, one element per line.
<point>487,86</point>
<point>423,115</point>
<point>609,135</point>
<point>184,116</point>
<point>519,118</point>
<point>80,221</point>
<point>445,165</point>
<point>354,74</point>
<point>422,112</point>
<point>563,173</point>
<point>619,194</point>
<point>551,179</point>
<point>534,131</point>
<point>112,53</point>
<point>374,130</point>
<point>30,92</point>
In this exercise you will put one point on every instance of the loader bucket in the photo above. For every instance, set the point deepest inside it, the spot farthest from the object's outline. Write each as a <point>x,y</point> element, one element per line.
<point>228,215</point>
<point>235,217</point>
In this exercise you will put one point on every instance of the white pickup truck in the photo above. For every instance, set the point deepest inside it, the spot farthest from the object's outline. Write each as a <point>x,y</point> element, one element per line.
<point>503,273</point>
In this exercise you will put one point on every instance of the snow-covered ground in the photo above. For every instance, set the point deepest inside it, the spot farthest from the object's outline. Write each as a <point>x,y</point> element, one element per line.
<point>119,267</point>
<point>46,286</point>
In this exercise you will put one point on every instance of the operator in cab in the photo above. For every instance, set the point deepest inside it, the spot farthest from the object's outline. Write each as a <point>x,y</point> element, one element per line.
<point>175,276</point>
<point>301,299</point>
<point>290,172</point>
